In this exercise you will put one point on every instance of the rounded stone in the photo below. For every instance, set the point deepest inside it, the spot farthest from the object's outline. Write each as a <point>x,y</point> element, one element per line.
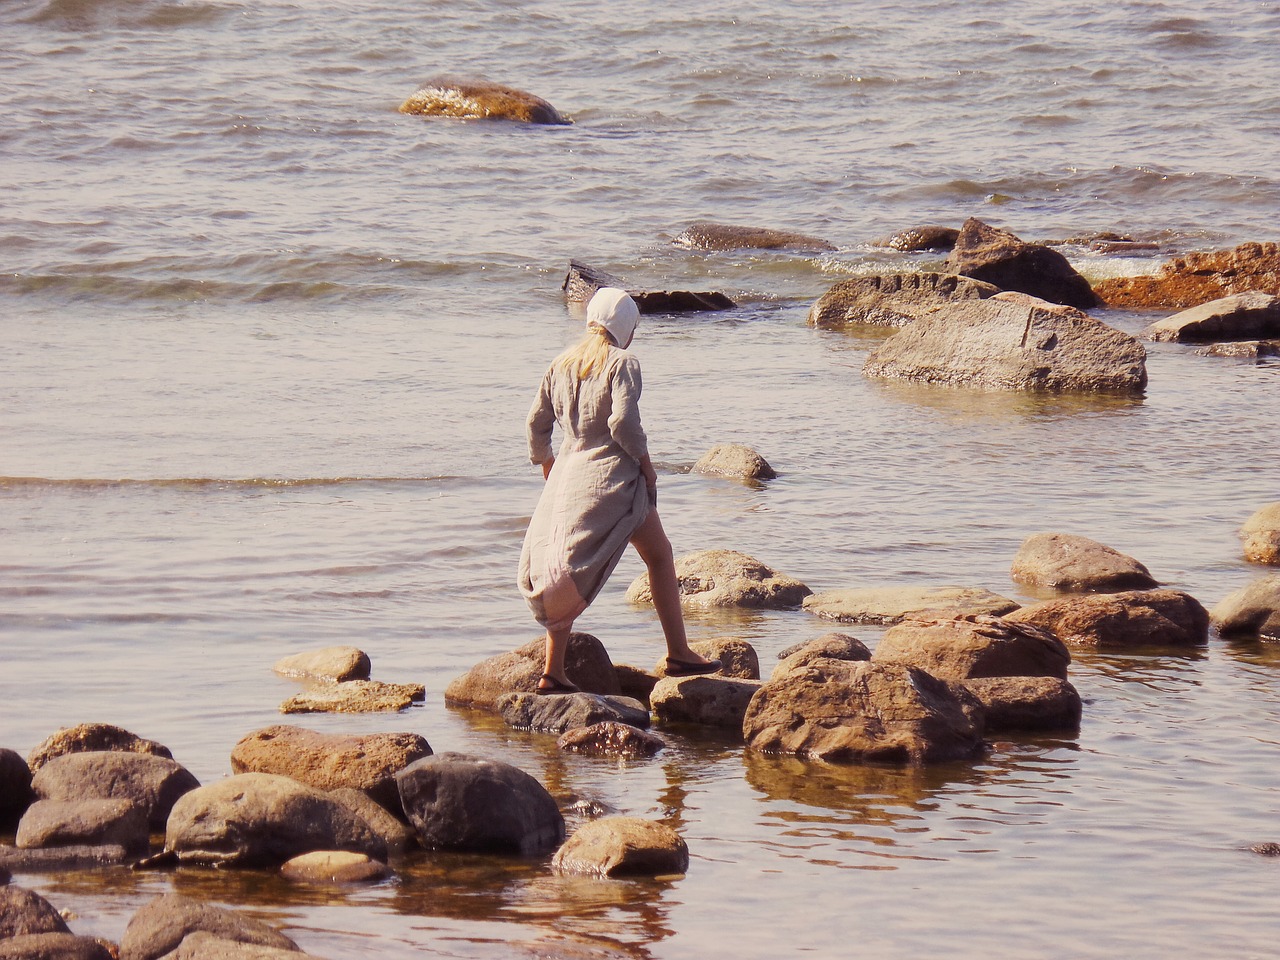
<point>623,846</point>
<point>334,866</point>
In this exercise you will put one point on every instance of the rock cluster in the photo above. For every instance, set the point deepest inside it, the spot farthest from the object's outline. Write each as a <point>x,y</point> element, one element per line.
<point>1198,278</point>
<point>338,679</point>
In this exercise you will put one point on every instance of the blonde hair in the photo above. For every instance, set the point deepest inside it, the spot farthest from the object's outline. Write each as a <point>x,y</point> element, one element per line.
<point>590,355</point>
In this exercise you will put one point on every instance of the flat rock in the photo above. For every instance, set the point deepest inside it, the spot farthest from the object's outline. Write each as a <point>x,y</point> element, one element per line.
<point>152,782</point>
<point>479,100</point>
<point>705,235</point>
<point>93,738</point>
<point>15,788</point>
<point>1241,316</point>
<point>1242,349</point>
<point>54,946</point>
<point>998,257</point>
<point>58,859</point>
<point>24,911</point>
<point>262,819</point>
<point>1064,561</point>
<point>712,701</point>
<point>980,647</point>
<point>727,578</point>
<point>1252,610</point>
<point>582,281</point>
<point>334,664</point>
<point>892,300</point>
<point>62,823</point>
<point>1027,704</point>
<point>556,714</point>
<point>334,866</point>
<point>915,239</point>
<point>737,657</point>
<point>1261,535</point>
<point>622,846</point>
<point>587,664</point>
<point>1134,618</point>
<point>327,761</point>
<point>894,604</point>
<point>612,739</point>
<point>356,696</point>
<point>1198,278</point>
<point>161,925</point>
<point>1012,342</point>
<point>457,802</point>
<point>735,460</point>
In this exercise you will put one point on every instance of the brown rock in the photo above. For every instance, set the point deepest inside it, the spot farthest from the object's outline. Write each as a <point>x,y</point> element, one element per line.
<point>54,946</point>
<point>737,658</point>
<point>479,100</point>
<point>1198,278</point>
<point>622,846</point>
<point>15,788</point>
<point>356,696</point>
<point>727,578</point>
<point>152,782</point>
<point>46,859</point>
<point>582,282</point>
<point>334,664</point>
<point>24,912</point>
<point>719,236</point>
<point>61,823</point>
<point>892,300</point>
<point>1241,316</point>
<point>1251,610</point>
<point>162,924</point>
<point>635,682</point>
<point>967,649</point>
<point>587,664</point>
<point>1133,618</point>
<point>1026,704</point>
<point>334,866</point>
<point>921,238</point>
<point>93,738</point>
<point>393,831</point>
<point>1242,349</point>
<point>1261,535</point>
<point>998,257</point>
<point>612,739</point>
<point>834,646</point>
<point>734,460</point>
<point>206,946</point>
<point>1064,561</point>
<point>895,604</point>
<point>708,700</point>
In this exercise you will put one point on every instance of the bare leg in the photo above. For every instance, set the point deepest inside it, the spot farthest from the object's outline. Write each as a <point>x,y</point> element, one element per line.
<point>557,646</point>
<point>651,542</point>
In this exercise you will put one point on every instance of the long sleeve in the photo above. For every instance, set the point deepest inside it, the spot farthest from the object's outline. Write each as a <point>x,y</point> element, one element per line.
<point>540,422</point>
<point>624,421</point>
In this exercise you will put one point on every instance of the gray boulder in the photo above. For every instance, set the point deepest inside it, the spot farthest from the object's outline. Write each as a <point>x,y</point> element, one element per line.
<point>727,578</point>
<point>15,788</point>
<point>475,99</point>
<point>61,823</point>
<point>895,604</point>
<point>162,924</point>
<point>1241,316</point>
<point>712,701</point>
<point>54,946</point>
<point>528,711</point>
<point>704,235</point>
<point>967,649</point>
<point>1012,342</point>
<point>152,782</point>
<point>23,912</point>
<point>458,802</point>
<point>622,846</point>
<point>1027,704</point>
<point>93,738</point>
<point>1253,610</point>
<point>1261,535</point>
<point>734,460</point>
<point>1134,618</point>
<point>334,664</point>
<point>892,300</point>
<point>587,664</point>
<point>1073,563</point>
<point>998,257</point>
<point>611,739</point>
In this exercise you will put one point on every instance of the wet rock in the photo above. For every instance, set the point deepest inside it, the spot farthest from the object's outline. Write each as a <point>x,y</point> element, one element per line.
<point>711,701</point>
<point>162,924</point>
<point>334,866</point>
<point>1242,349</point>
<point>587,664</point>
<point>1261,535</point>
<point>622,846</point>
<point>1065,561</point>
<point>832,646</point>
<point>334,664</point>
<point>93,738</point>
<point>635,682</point>
<point>1266,849</point>
<point>393,831</point>
<point>915,239</point>
<point>15,788</point>
<point>1012,342</point>
<point>612,739</point>
<point>1027,704</point>
<point>1134,618</point>
<point>1241,316</point>
<point>996,256</point>
<point>704,235</point>
<point>1124,247</point>
<point>458,802</point>
<point>727,578</point>
<point>327,761</point>
<point>206,946</point>
<point>894,604</point>
<point>582,281</point>
<point>50,859</point>
<point>734,460</point>
<point>479,100</point>
<point>262,819</point>
<point>737,658</point>
<point>1198,278</point>
<point>61,823</point>
<point>54,946</point>
<point>893,300</point>
<point>24,912</point>
<point>356,696</point>
<point>981,647</point>
<point>844,712</point>
<point>556,714</point>
<point>1251,610</point>
<point>152,782</point>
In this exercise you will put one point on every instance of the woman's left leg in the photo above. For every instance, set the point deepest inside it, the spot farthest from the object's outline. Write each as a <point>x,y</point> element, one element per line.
<point>651,542</point>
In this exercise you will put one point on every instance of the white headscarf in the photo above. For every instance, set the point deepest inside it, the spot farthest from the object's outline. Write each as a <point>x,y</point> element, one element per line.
<point>612,310</point>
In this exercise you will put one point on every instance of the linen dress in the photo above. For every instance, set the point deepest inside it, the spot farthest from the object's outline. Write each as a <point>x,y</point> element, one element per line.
<point>595,496</point>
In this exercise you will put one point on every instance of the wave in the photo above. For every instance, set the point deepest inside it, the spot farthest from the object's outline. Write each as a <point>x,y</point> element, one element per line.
<point>85,484</point>
<point>92,14</point>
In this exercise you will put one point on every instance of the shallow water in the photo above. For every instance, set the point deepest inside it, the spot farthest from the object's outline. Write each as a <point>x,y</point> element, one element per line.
<point>269,347</point>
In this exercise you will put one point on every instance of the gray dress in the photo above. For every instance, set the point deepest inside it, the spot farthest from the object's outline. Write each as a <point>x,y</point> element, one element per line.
<point>595,497</point>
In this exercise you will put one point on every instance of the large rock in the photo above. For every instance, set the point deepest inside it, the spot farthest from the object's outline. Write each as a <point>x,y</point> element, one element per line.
<point>1027,704</point>
<point>587,664</point>
<point>704,235</point>
<point>15,788</point>
<point>392,830</point>
<point>622,846</point>
<point>1261,535</point>
<point>262,819</point>
<point>967,649</point>
<point>737,657</point>
<point>479,100</point>
<point>915,239</point>
<point>1135,618</point>
<point>834,646</point>
<point>708,700</point>
<point>458,802</point>
<point>207,946</point>
<point>1012,342</point>
<point>23,912</point>
<point>93,738</point>
<point>582,281</point>
<point>844,712</point>
<point>1241,316</point>
<point>334,664</point>
<point>356,696</point>
<point>734,460</point>
<point>328,761</point>
<point>895,604</point>
<point>727,578</point>
<point>162,924</point>
<point>1198,278</point>
<point>1064,561</point>
<point>996,256</point>
<point>528,711</point>
<point>1251,610</point>
<point>54,946</point>
<point>892,300</point>
<point>152,782</point>
<point>61,823</point>
<point>611,739</point>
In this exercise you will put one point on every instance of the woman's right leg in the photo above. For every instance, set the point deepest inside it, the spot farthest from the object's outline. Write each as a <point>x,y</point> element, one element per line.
<point>553,663</point>
<point>651,542</point>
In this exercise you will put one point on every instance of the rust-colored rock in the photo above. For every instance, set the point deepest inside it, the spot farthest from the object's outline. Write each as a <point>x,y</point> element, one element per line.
<point>892,299</point>
<point>622,846</point>
<point>973,648</point>
<point>1134,618</point>
<point>1026,704</point>
<point>722,236</point>
<point>999,257</point>
<point>1197,278</point>
<point>479,100</point>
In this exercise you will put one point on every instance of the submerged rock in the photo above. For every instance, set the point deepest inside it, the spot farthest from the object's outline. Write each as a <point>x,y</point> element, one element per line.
<point>153,783</point>
<point>1252,610</point>
<point>734,460</point>
<point>162,924</point>
<point>708,700</point>
<point>582,281</point>
<point>356,696</point>
<point>1134,618</point>
<point>1065,561</point>
<point>611,739</point>
<point>1241,316</point>
<point>1261,535</point>
<point>998,257</point>
<point>334,664</point>
<point>587,664</point>
<point>1198,278</point>
<point>622,846</point>
<point>727,578</point>
<point>704,235</point>
<point>895,604</point>
<point>479,100</point>
<point>93,738</point>
<point>556,714</point>
<point>893,300</point>
<point>334,866</point>
<point>1242,349</point>
<point>1027,704</point>
<point>915,239</point>
<point>77,857</point>
<point>968,649</point>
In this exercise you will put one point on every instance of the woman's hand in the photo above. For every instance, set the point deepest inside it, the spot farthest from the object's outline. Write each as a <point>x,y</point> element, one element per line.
<point>650,479</point>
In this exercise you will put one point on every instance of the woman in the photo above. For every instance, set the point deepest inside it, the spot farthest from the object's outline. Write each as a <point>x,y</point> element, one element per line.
<point>601,492</point>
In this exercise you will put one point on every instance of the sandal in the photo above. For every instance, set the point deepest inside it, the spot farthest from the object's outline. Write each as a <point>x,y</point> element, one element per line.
<point>553,687</point>
<point>683,668</point>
